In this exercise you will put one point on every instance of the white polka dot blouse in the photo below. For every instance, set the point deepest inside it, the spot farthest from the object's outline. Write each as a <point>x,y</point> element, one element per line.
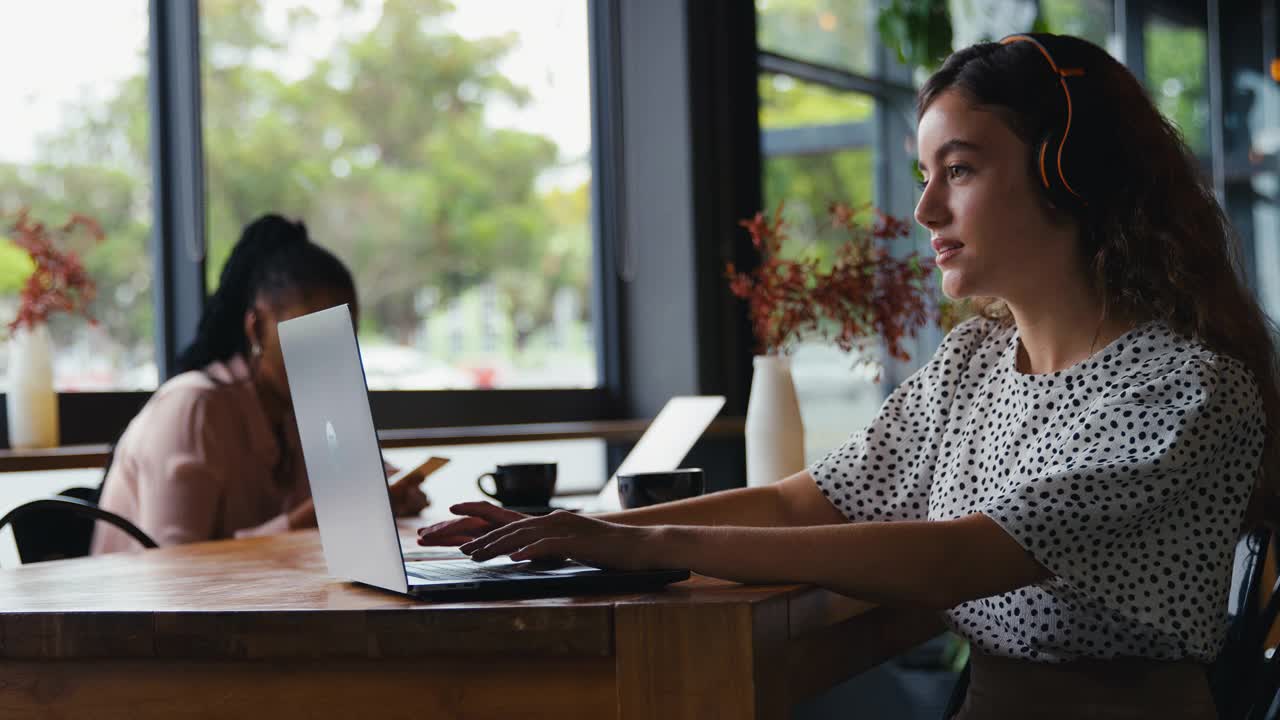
<point>1126,476</point>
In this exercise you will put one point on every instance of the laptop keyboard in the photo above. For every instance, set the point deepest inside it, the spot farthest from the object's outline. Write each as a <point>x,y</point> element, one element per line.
<point>464,570</point>
<point>413,552</point>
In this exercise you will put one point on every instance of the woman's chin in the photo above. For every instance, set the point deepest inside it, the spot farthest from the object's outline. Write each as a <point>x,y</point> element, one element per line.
<point>954,285</point>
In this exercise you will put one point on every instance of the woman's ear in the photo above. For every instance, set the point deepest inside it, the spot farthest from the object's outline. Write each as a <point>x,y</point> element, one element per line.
<point>252,332</point>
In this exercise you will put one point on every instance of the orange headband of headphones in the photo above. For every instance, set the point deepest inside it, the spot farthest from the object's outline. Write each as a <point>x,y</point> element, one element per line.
<point>1062,74</point>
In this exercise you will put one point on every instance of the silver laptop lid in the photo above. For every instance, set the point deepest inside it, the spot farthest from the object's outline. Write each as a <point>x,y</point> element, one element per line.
<point>340,446</point>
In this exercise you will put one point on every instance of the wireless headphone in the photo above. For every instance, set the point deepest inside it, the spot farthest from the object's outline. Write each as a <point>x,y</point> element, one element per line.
<point>1063,74</point>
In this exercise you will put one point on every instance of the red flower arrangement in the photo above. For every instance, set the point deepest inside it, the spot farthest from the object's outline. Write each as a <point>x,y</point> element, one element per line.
<point>867,292</point>
<point>59,282</point>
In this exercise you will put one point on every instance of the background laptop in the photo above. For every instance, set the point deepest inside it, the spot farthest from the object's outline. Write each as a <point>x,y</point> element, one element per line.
<point>353,508</point>
<point>664,443</point>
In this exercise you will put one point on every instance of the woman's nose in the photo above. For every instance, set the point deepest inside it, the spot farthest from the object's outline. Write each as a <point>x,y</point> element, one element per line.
<point>931,211</point>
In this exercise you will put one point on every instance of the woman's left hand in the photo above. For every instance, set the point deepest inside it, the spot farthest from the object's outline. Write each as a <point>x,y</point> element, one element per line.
<point>407,497</point>
<point>566,535</point>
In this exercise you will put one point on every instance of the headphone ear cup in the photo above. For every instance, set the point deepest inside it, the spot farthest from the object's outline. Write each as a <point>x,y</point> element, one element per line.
<point>1040,162</point>
<point>1044,168</point>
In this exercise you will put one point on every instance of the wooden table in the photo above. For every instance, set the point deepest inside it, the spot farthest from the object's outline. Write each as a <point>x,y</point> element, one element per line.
<point>254,628</point>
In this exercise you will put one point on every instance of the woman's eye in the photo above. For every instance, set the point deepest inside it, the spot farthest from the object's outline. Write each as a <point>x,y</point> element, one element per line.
<point>954,172</point>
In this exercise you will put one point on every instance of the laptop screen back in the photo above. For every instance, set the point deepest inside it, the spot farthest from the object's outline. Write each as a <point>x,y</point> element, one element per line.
<point>340,446</point>
<point>665,442</point>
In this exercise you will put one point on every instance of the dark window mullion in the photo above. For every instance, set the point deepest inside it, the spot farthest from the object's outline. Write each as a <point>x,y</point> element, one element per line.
<point>816,139</point>
<point>607,196</point>
<point>1213,30</point>
<point>178,242</point>
<point>1130,15</point>
<point>827,76</point>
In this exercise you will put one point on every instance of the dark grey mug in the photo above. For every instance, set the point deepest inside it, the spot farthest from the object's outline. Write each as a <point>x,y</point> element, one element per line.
<point>650,488</point>
<point>521,484</point>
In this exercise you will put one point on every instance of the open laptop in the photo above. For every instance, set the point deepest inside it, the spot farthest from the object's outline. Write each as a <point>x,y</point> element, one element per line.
<point>353,508</point>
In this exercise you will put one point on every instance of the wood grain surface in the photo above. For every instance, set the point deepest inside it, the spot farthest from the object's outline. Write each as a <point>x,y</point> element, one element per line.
<point>255,627</point>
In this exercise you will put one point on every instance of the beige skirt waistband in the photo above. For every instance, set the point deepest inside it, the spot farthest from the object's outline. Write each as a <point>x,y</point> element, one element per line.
<point>1002,688</point>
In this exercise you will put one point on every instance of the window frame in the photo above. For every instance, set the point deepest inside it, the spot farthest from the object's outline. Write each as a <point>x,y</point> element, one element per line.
<point>178,246</point>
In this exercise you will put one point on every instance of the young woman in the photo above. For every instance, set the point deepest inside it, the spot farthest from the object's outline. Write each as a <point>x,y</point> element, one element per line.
<point>1067,477</point>
<point>215,453</point>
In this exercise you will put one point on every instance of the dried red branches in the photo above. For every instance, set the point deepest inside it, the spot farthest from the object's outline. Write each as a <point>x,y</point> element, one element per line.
<point>59,282</point>
<point>866,293</point>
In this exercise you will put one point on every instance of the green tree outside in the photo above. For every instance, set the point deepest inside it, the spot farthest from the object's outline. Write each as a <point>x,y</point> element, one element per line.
<point>381,146</point>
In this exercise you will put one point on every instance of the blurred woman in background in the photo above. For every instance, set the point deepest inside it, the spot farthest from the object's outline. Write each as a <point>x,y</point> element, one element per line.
<point>215,453</point>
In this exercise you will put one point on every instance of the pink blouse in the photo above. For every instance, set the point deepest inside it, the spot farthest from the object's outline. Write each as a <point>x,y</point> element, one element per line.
<point>201,462</point>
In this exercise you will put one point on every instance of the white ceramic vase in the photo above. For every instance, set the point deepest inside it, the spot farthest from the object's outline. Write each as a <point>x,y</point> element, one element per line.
<point>31,403</point>
<point>774,431</point>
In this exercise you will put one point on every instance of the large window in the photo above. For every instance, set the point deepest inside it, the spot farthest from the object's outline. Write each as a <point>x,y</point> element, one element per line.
<point>443,151</point>
<point>76,139</point>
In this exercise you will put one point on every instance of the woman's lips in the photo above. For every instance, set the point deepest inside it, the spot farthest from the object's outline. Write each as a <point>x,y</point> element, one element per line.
<point>946,255</point>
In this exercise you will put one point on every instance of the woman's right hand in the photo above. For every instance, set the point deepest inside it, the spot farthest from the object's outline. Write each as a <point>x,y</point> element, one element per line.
<point>477,519</point>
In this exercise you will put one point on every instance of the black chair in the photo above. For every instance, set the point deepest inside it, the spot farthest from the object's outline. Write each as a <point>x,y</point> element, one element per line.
<point>1244,680</point>
<point>62,527</point>
<point>958,692</point>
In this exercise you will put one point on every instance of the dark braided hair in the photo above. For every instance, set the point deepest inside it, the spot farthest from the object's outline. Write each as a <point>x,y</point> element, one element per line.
<point>272,257</point>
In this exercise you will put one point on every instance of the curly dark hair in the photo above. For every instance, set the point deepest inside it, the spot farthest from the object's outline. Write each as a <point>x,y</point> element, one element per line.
<point>1156,242</point>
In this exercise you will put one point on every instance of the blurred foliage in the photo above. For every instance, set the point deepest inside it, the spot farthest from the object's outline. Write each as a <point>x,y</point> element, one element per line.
<point>15,266</point>
<point>1177,63</point>
<point>919,31</point>
<point>382,148</point>
<point>1088,19</point>
<point>786,102</point>
<point>837,33</point>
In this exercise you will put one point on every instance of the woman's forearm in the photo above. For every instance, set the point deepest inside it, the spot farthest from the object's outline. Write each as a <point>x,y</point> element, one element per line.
<point>795,501</point>
<point>743,507</point>
<point>860,560</point>
<point>921,564</point>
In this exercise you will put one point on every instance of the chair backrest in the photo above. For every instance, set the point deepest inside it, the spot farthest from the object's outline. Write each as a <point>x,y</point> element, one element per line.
<point>1244,681</point>
<point>52,533</point>
<point>958,693</point>
<point>62,527</point>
